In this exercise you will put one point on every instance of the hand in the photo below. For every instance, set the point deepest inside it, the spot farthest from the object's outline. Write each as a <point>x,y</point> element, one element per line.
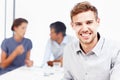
<point>19,49</point>
<point>29,63</point>
<point>60,61</point>
<point>50,63</point>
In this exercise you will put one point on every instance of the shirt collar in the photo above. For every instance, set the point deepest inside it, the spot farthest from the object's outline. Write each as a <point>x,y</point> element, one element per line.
<point>65,40</point>
<point>97,49</point>
<point>77,47</point>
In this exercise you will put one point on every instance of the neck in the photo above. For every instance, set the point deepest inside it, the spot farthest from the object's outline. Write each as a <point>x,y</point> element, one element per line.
<point>17,38</point>
<point>88,47</point>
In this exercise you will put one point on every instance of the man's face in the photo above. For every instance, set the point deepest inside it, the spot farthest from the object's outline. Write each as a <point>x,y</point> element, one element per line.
<point>21,29</point>
<point>85,25</point>
<point>53,34</point>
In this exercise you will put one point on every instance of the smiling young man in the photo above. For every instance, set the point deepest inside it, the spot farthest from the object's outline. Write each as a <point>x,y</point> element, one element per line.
<point>92,57</point>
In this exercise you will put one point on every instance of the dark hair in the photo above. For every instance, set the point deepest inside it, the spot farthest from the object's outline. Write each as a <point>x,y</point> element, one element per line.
<point>18,22</point>
<point>83,7</point>
<point>59,27</point>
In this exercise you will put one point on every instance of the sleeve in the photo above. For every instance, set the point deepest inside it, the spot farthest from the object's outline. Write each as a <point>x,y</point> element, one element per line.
<point>115,71</point>
<point>47,53</point>
<point>29,45</point>
<point>67,74</point>
<point>4,46</point>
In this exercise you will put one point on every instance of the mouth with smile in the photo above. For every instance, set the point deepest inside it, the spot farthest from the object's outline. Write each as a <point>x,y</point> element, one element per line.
<point>85,36</point>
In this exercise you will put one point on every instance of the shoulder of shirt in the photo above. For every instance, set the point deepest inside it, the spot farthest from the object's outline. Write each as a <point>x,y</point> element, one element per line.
<point>112,42</point>
<point>8,39</point>
<point>72,44</point>
<point>27,39</point>
<point>70,37</point>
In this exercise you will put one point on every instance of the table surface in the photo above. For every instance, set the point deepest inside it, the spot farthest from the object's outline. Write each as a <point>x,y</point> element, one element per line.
<point>34,73</point>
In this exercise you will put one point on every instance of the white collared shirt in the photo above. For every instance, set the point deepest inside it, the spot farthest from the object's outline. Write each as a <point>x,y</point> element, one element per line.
<point>102,63</point>
<point>55,50</point>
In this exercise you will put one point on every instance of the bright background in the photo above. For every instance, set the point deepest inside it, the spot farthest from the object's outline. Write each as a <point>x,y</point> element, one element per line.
<point>41,13</point>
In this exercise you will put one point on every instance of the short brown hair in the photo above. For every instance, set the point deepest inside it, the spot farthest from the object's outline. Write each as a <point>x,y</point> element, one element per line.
<point>18,22</point>
<point>83,7</point>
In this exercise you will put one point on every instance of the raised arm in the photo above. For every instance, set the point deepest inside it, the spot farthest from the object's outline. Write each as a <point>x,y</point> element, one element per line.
<point>7,60</point>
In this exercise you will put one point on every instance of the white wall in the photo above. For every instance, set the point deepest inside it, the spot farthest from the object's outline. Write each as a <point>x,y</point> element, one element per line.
<point>2,6</point>
<point>5,19</point>
<point>40,13</point>
<point>2,20</point>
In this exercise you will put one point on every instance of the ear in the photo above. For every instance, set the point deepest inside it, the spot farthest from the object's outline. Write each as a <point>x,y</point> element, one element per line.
<point>98,21</point>
<point>14,28</point>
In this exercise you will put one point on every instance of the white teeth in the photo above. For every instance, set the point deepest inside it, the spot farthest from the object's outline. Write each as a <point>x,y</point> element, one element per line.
<point>85,35</point>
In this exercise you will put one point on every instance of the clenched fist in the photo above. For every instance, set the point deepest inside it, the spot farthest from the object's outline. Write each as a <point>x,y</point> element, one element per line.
<point>29,63</point>
<point>19,49</point>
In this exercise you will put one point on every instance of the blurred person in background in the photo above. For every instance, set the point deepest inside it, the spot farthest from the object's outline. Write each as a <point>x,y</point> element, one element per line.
<point>55,45</point>
<point>16,49</point>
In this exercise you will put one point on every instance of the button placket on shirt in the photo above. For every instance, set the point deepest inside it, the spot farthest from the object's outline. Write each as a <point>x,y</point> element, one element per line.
<point>86,61</point>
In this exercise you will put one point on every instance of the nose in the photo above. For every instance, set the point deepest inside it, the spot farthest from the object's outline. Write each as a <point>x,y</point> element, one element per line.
<point>84,28</point>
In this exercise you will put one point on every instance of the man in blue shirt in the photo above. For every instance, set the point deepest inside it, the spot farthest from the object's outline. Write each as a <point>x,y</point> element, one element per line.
<point>16,50</point>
